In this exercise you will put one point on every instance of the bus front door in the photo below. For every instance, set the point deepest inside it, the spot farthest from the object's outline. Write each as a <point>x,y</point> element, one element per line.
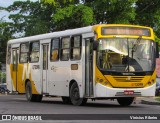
<point>89,67</point>
<point>45,57</point>
<point>14,69</point>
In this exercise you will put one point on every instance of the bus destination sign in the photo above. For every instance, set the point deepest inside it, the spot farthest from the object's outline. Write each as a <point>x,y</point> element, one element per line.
<point>134,31</point>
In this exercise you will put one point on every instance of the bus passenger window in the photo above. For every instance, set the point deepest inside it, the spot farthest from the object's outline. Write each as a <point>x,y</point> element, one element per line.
<point>24,52</point>
<point>34,56</point>
<point>65,45</point>
<point>55,50</point>
<point>76,48</point>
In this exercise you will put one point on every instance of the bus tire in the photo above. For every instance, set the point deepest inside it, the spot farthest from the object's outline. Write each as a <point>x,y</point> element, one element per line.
<point>32,97</point>
<point>66,100</point>
<point>75,96</point>
<point>125,101</point>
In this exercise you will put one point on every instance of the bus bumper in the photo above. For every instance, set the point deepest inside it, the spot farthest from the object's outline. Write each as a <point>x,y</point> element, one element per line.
<point>105,92</point>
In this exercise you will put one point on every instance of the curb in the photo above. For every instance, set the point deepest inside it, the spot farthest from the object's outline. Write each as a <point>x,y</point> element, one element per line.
<point>149,102</point>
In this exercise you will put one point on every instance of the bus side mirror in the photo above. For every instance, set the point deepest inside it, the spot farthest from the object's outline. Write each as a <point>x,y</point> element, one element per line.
<point>95,45</point>
<point>157,50</point>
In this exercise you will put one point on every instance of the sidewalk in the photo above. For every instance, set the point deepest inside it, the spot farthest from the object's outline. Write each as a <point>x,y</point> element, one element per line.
<point>150,101</point>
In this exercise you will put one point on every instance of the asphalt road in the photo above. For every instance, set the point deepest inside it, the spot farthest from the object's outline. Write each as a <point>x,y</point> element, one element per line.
<point>92,112</point>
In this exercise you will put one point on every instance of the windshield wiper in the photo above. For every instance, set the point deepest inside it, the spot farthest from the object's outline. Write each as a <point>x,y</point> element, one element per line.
<point>134,48</point>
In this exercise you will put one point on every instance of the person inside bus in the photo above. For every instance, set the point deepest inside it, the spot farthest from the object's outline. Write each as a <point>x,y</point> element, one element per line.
<point>107,64</point>
<point>112,59</point>
<point>54,55</point>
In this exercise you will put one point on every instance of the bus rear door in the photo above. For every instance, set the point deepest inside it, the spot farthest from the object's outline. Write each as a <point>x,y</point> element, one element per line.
<point>14,69</point>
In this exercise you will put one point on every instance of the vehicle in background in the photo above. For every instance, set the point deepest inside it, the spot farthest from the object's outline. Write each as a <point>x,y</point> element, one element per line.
<point>3,88</point>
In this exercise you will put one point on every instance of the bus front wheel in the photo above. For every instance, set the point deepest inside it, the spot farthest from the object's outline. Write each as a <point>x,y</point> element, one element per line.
<point>32,97</point>
<point>125,101</point>
<point>75,95</point>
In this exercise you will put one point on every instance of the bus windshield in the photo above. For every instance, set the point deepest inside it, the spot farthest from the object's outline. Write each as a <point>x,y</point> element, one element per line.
<point>125,54</point>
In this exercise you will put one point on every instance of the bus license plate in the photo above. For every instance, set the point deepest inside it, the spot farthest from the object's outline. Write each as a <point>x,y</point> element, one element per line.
<point>128,92</point>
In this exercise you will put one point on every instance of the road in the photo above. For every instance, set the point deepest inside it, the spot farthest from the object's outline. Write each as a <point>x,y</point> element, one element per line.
<point>17,104</point>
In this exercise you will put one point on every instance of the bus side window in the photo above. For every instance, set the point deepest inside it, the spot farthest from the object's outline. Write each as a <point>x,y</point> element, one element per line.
<point>65,48</point>
<point>34,55</point>
<point>24,52</point>
<point>76,48</point>
<point>55,49</point>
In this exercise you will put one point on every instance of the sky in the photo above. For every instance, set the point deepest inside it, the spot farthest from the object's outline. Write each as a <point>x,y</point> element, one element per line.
<point>6,3</point>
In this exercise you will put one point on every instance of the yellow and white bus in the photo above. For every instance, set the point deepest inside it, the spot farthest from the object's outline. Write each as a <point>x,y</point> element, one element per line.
<point>106,61</point>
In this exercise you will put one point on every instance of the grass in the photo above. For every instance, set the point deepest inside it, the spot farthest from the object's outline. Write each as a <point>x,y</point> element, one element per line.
<point>158,98</point>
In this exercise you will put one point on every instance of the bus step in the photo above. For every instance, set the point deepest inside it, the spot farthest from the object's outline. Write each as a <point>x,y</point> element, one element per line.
<point>14,93</point>
<point>46,94</point>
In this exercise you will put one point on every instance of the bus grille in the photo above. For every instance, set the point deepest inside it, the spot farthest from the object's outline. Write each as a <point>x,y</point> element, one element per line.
<point>128,78</point>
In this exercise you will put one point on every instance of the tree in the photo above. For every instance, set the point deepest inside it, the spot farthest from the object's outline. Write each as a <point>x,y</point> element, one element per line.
<point>148,14</point>
<point>112,11</point>
<point>5,35</point>
<point>60,3</point>
<point>51,15</point>
<point>70,14</point>
<point>72,17</point>
<point>31,18</point>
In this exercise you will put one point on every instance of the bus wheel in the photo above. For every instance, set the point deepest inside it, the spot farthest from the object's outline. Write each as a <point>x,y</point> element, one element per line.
<point>29,95</point>
<point>125,101</point>
<point>66,100</point>
<point>32,97</point>
<point>75,96</point>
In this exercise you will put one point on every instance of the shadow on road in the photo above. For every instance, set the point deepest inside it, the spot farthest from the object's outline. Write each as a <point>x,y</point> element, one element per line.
<point>55,100</point>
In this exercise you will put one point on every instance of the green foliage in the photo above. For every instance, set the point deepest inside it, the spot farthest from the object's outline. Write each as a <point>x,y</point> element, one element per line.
<point>5,34</point>
<point>157,39</point>
<point>2,77</point>
<point>58,2</point>
<point>147,14</point>
<point>73,17</point>
<point>33,18</point>
<point>113,11</point>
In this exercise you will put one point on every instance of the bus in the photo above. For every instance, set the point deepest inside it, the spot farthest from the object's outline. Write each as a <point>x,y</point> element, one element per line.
<point>104,61</point>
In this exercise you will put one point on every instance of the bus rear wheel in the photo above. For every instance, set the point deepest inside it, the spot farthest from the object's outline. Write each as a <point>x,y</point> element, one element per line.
<point>32,97</point>
<point>75,96</point>
<point>125,101</point>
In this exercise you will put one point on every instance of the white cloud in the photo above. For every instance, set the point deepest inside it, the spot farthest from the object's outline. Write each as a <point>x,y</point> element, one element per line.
<point>6,3</point>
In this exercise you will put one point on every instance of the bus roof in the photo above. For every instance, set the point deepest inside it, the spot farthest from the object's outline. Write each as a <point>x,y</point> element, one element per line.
<point>69,32</point>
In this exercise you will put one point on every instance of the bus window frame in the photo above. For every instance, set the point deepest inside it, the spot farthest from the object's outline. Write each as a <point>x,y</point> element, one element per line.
<point>30,51</point>
<point>55,49</point>
<point>69,48</point>
<point>72,47</point>
<point>24,52</point>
